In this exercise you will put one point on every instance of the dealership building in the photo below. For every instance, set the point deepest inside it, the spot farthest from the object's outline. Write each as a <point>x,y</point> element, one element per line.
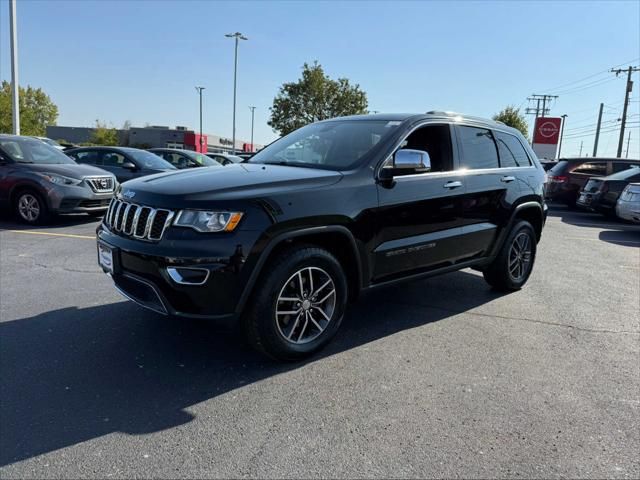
<point>157,136</point>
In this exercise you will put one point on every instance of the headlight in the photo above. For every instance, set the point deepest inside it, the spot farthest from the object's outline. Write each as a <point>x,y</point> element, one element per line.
<point>204,221</point>
<point>60,179</point>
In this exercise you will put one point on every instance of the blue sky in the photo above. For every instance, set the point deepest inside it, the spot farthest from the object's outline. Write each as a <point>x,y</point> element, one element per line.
<point>140,60</point>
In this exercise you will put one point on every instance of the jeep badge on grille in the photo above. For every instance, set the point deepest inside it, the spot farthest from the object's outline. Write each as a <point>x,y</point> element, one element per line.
<point>129,194</point>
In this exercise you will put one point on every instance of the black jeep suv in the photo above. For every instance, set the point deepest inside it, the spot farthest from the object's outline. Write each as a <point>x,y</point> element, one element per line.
<point>282,242</point>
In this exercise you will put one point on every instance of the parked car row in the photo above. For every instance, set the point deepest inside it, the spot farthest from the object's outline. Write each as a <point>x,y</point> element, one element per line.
<point>39,177</point>
<point>595,184</point>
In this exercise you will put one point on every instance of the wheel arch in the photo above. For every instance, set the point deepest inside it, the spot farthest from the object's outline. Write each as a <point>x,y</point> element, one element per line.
<point>336,239</point>
<point>533,213</point>
<point>22,186</point>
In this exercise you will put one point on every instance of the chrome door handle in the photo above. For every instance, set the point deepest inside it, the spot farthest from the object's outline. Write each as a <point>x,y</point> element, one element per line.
<point>507,179</point>
<point>452,184</point>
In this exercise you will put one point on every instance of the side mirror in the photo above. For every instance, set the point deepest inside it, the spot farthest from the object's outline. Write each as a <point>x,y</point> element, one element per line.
<point>416,160</point>
<point>129,166</point>
<point>405,162</point>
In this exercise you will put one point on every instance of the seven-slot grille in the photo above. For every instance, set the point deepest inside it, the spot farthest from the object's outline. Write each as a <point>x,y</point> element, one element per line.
<point>138,221</point>
<point>101,184</point>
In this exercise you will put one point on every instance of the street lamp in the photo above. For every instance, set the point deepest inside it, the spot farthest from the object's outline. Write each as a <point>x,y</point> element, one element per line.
<point>199,90</point>
<point>238,36</point>
<point>253,109</point>
<point>564,119</point>
<point>15,87</point>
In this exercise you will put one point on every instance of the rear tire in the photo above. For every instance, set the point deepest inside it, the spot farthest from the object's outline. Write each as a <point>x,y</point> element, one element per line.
<point>309,285</point>
<point>30,208</point>
<point>510,270</point>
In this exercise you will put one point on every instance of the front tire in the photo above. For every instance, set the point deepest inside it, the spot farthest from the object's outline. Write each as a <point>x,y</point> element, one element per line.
<point>298,304</point>
<point>512,266</point>
<point>30,207</point>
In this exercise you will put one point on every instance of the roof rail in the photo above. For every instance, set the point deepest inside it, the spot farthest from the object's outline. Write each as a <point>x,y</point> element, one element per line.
<point>462,115</point>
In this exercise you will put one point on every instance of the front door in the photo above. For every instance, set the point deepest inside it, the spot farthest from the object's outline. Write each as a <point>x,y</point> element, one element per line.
<point>418,218</point>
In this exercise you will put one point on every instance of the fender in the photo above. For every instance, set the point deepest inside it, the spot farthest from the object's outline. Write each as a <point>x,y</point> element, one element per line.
<point>277,240</point>
<point>32,184</point>
<point>505,231</point>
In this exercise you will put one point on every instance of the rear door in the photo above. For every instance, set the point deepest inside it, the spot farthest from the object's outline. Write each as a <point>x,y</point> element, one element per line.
<point>418,219</point>
<point>491,190</point>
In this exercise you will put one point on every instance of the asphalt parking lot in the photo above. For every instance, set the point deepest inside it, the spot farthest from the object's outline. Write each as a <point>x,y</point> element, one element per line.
<point>437,378</point>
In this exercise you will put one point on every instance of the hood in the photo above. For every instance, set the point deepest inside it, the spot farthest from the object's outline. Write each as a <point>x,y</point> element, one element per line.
<point>72,170</point>
<point>237,181</point>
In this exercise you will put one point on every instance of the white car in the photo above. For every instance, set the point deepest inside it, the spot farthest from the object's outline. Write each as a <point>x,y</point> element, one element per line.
<point>628,205</point>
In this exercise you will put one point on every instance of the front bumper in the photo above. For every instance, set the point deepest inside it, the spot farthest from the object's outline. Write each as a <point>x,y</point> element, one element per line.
<point>145,272</point>
<point>76,199</point>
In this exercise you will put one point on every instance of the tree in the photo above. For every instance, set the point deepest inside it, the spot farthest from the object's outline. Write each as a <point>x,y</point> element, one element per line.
<point>314,97</point>
<point>512,117</point>
<point>37,110</point>
<point>103,135</point>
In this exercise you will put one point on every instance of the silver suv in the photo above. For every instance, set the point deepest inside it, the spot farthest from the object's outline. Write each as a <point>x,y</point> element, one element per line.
<point>37,180</point>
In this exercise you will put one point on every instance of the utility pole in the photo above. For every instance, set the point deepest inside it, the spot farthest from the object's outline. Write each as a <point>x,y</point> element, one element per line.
<point>544,98</point>
<point>253,109</point>
<point>15,87</point>
<point>238,36</point>
<point>581,142</point>
<point>200,89</point>
<point>628,89</point>
<point>626,155</point>
<point>595,143</point>
<point>564,119</point>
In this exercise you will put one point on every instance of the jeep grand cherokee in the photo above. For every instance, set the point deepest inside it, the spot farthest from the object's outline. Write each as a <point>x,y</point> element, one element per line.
<point>282,242</point>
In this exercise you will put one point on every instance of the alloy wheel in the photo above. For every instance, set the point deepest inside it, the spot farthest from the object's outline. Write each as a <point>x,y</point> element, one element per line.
<point>305,305</point>
<point>29,207</point>
<point>520,257</point>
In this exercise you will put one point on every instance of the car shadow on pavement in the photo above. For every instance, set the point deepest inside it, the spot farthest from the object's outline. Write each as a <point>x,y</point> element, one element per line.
<point>624,238</point>
<point>74,374</point>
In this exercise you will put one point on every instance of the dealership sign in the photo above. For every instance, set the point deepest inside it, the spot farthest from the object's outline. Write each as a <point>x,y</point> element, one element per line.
<point>546,135</point>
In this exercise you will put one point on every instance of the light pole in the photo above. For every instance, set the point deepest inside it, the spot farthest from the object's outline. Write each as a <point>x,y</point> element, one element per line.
<point>253,109</point>
<point>15,88</point>
<point>238,36</point>
<point>200,89</point>
<point>564,119</point>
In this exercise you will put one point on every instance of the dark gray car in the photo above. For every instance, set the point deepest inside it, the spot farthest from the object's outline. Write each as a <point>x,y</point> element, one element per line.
<point>37,179</point>
<point>124,162</point>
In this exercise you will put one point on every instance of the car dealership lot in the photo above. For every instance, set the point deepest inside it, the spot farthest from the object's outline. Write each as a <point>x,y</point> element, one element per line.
<point>436,378</point>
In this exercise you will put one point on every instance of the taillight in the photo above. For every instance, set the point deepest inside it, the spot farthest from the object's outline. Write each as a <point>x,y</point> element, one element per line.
<point>558,178</point>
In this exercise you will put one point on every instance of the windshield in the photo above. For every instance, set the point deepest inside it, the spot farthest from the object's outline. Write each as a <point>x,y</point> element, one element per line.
<point>29,150</point>
<point>625,174</point>
<point>203,160</point>
<point>336,145</point>
<point>48,141</point>
<point>150,160</point>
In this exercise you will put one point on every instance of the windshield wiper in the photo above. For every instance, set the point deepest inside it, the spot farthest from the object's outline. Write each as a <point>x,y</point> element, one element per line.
<point>290,164</point>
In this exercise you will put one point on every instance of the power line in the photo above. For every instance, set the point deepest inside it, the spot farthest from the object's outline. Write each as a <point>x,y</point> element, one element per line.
<point>590,76</point>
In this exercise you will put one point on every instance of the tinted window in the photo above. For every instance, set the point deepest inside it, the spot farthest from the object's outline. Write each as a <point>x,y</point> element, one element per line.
<point>90,157</point>
<point>591,168</point>
<point>620,166</point>
<point>436,141</point>
<point>478,148</point>
<point>112,159</point>
<point>512,153</point>
<point>559,168</point>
